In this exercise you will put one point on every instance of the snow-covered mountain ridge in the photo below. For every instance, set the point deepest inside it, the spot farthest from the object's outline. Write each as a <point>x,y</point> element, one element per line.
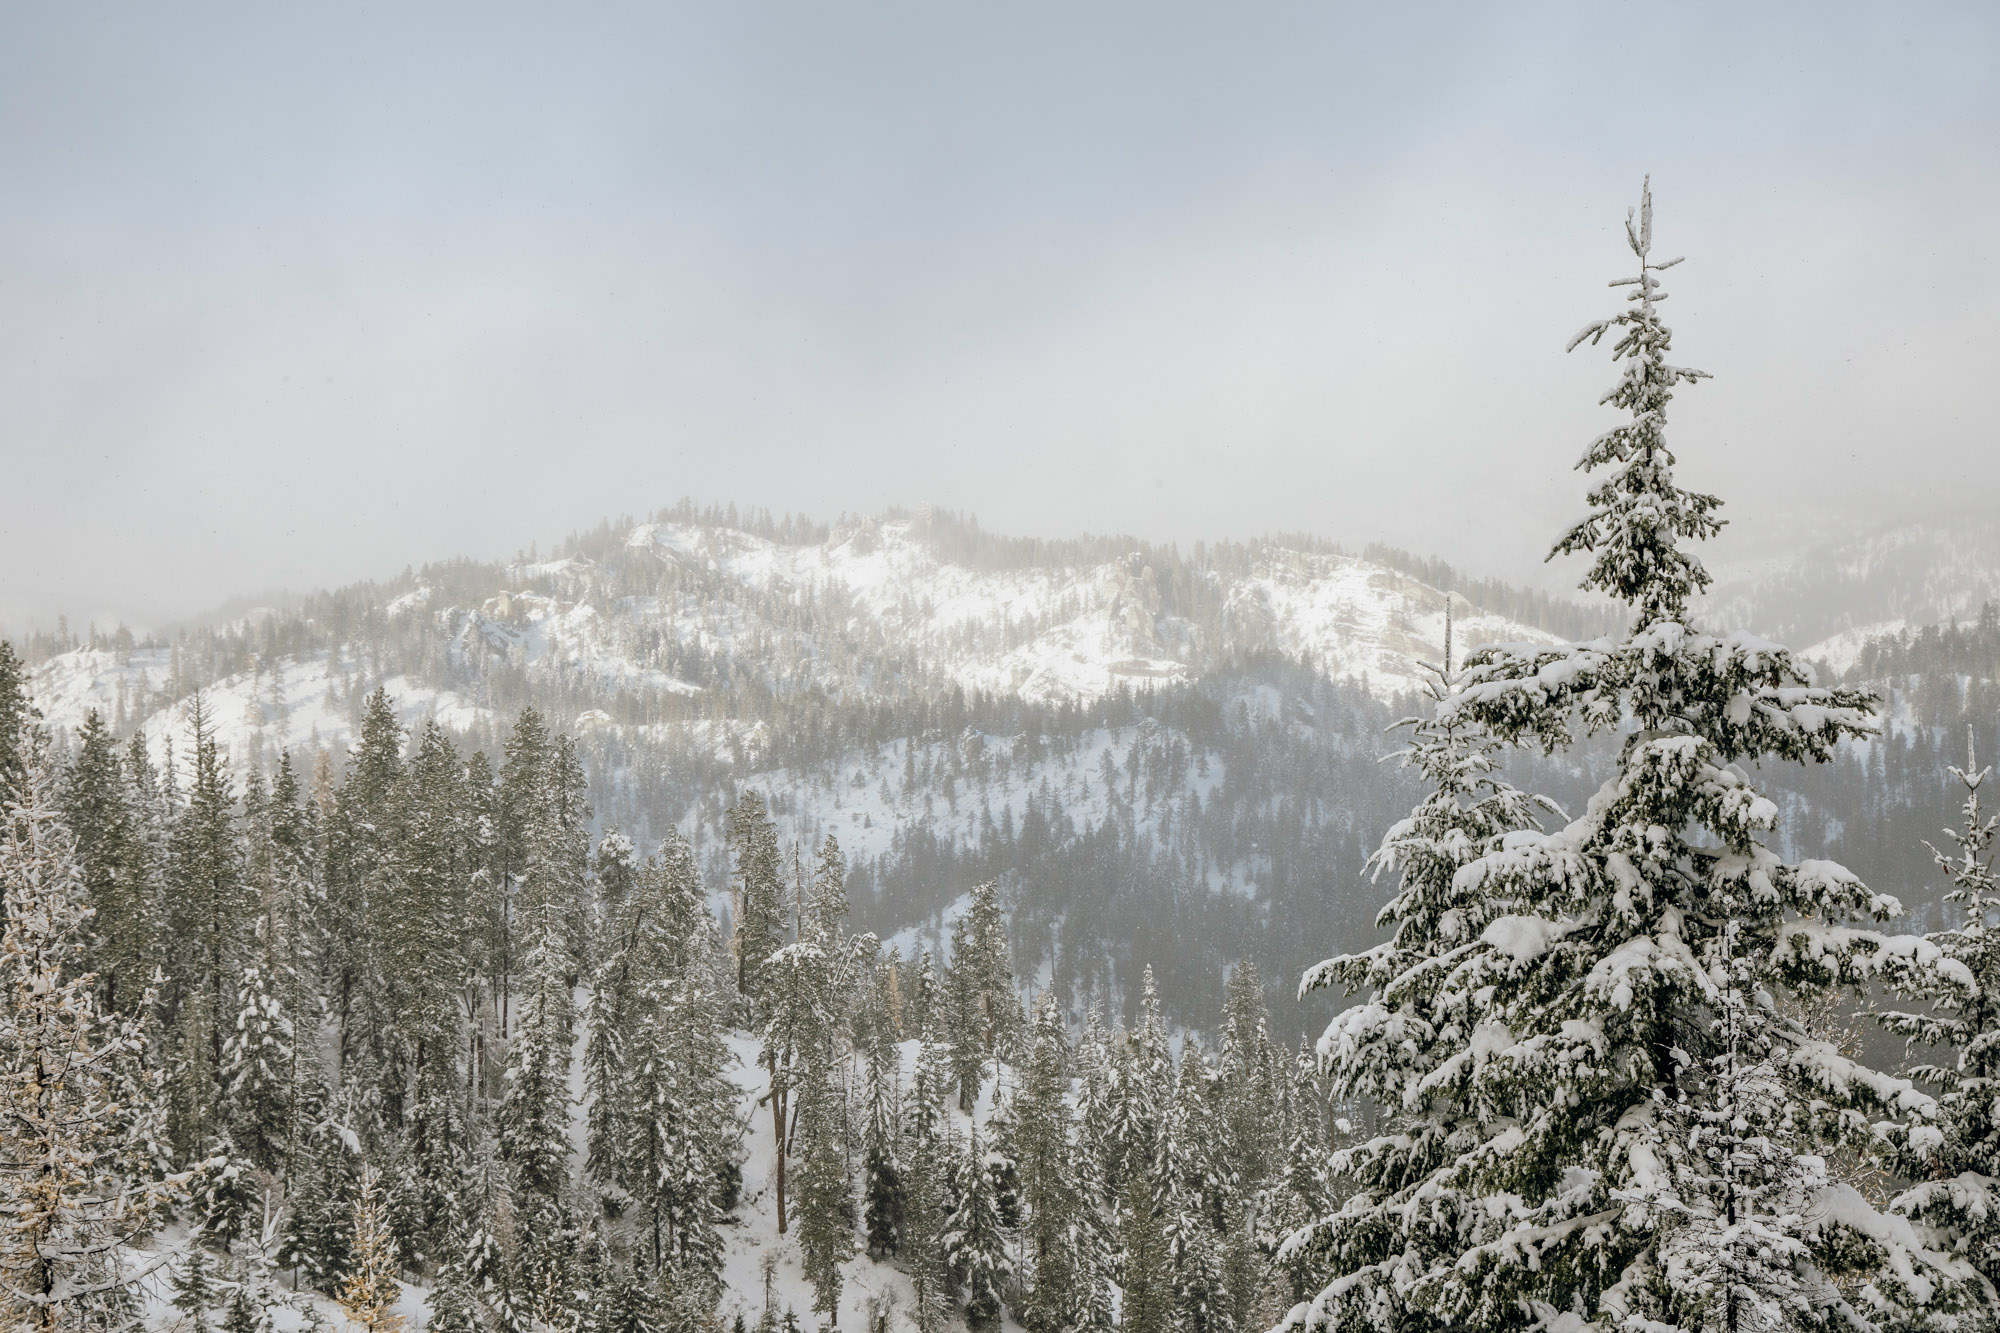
<point>688,610</point>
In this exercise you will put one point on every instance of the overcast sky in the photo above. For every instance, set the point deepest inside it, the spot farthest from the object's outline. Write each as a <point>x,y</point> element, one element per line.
<point>295,295</point>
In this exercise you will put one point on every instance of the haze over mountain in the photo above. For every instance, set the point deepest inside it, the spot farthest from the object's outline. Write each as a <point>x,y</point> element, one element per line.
<point>1188,275</point>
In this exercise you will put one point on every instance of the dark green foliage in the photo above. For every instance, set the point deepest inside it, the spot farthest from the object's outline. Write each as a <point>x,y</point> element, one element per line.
<point>194,1284</point>
<point>758,913</point>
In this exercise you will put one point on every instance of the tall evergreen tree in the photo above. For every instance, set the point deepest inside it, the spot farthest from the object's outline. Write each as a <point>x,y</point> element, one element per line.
<point>965,1017</point>
<point>757,897</point>
<point>557,868</point>
<point>259,1071</point>
<point>325,1169</point>
<point>1418,1017</point>
<point>17,720</point>
<point>662,1116</point>
<point>990,963</point>
<point>1957,1198</point>
<point>111,856</point>
<point>1066,1263</point>
<point>974,1245</point>
<point>76,1186</point>
<point>881,1167</point>
<point>424,945</point>
<point>1187,1191</point>
<point>926,1215</point>
<point>533,1117</point>
<point>825,1192</point>
<point>209,917</point>
<point>1593,1040</point>
<point>516,809</point>
<point>293,946</point>
<point>361,861</point>
<point>1143,1090</point>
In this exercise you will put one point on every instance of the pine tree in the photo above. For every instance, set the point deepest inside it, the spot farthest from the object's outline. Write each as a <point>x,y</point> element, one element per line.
<point>923,1001</point>
<point>991,968</point>
<point>360,865</point>
<point>1147,1275</point>
<point>1143,1089</point>
<point>631,1304</point>
<point>825,1194</point>
<point>111,858</point>
<point>662,1122</point>
<point>1097,1109</point>
<point>453,1304</point>
<point>242,1314</point>
<point>1587,1045</point>
<point>614,866</point>
<point>1417,1017</point>
<point>258,1071</point>
<point>555,873</point>
<point>807,989</point>
<point>1185,1183</point>
<point>194,1285</point>
<point>1243,1267</point>
<point>77,1181</point>
<point>533,1117</point>
<point>17,720</point>
<point>1957,1199</point>
<point>757,902</point>
<point>1066,1263</point>
<point>828,906</point>
<point>975,1248</point>
<point>293,939</point>
<point>925,1218</point>
<point>800,983</point>
<point>318,1240</point>
<point>209,911</point>
<point>1249,1107</point>
<point>965,1017</point>
<point>370,1292</point>
<point>425,950</point>
<point>1302,1208</point>
<point>882,1175</point>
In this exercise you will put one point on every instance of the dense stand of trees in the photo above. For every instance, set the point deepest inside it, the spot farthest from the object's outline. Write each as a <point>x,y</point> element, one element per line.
<point>343,1012</point>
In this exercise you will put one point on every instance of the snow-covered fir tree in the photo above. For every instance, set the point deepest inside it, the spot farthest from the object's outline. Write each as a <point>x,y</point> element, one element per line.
<point>662,1120</point>
<point>757,903</point>
<point>76,1185</point>
<point>1186,1185</point>
<point>975,1247</point>
<point>533,1117</point>
<point>119,888</point>
<point>927,1201</point>
<point>258,1070</point>
<point>1416,1019</point>
<point>825,1193</point>
<point>1577,1044</point>
<point>369,1293</point>
<point>1066,1265</point>
<point>882,1188</point>
<point>1956,1200</point>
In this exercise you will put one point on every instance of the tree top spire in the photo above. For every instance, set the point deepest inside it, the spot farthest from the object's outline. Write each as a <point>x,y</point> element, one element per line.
<point>1639,515</point>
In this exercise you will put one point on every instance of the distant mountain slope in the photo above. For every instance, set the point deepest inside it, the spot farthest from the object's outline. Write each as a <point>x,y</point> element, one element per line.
<point>717,617</point>
<point>1847,584</point>
<point>1167,757</point>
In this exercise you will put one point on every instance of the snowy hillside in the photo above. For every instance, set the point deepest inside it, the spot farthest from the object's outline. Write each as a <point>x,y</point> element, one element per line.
<point>1834,590</point>
<point>872,609</point>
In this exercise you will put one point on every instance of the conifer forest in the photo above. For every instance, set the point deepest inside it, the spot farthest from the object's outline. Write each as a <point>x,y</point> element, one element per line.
<point>652,939</point>
<point>741,666</point>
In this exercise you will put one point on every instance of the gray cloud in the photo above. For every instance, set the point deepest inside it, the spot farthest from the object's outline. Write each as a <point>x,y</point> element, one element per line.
<point>288,299</point>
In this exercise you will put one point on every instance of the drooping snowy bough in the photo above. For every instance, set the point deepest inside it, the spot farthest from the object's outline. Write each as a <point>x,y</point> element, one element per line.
<point>1596,1114</point>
